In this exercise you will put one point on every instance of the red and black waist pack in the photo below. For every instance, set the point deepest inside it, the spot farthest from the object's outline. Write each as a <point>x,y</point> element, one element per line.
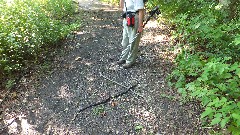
<point>130,19</point>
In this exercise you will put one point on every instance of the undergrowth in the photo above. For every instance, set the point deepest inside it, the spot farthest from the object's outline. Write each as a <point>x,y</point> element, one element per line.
<point>28,29</point>
<point>207,67</point>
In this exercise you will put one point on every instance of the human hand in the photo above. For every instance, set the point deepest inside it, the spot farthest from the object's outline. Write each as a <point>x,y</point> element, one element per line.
<point>140,29</point>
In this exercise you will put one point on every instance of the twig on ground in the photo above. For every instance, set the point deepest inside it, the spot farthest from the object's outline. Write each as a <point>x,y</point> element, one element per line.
<point>107,99</point>
<point>139,95</point>
<point>113,81</point>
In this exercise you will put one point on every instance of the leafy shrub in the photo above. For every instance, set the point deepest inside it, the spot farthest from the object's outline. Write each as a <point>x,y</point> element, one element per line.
<point>216,85</point>
<point>27,27</point>
<point>207,68</point>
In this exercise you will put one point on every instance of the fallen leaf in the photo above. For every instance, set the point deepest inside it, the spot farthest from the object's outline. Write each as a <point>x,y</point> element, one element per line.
<point>77,58</point>
<point>14,94</point>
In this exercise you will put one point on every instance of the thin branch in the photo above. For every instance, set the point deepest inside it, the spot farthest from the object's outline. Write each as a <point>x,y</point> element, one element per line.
<point>104,101</point>
<point>113,81</point>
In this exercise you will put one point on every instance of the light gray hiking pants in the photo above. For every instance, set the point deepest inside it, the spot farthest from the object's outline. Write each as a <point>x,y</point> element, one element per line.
<point>130,51</point>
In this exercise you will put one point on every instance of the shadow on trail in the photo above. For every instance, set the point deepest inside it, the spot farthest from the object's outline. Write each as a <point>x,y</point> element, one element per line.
<point>50,103</point>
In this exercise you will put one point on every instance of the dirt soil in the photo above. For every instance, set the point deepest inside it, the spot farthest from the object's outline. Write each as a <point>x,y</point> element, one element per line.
<point>85,72</point>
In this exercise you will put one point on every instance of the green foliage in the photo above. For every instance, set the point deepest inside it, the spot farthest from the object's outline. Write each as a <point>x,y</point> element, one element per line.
<point>60,8</point>
<point>207,68</point>
<point>99,110</point>
<point>138,128</point>
<point>216,84</point>
<point>27,28</point>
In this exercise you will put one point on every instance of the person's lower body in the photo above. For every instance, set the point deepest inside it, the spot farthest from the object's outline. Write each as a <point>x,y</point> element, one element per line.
<point>130,50</point>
